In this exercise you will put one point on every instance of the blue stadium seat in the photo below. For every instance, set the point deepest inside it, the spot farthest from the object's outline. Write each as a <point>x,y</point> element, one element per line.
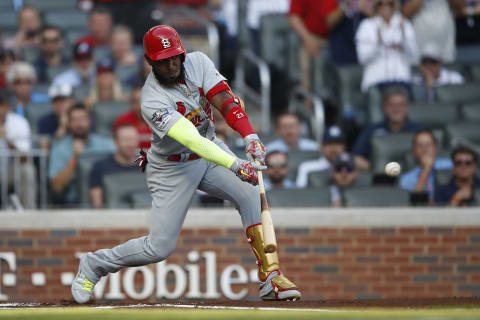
<point>376,197</point>
<point>67,19</point>
<point>105,113</point>
<point>318,197</point>
<point>119,187</point>
<point>458,94</point>
<point>433,116</point>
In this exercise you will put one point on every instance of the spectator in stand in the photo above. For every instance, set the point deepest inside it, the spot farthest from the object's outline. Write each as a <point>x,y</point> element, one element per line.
<point>344,175</point>
<point>139,78</point>
<point>7,57</point>
<point>100,26</point>
<point>308,19</point>
<point>343,22</point>
<point>106,86</point>
<point>28,35</point>
<point>422,178</point>
<point>135,119</point>
<point>288,131</point>
<point>386,46</point>
<point>460,191</point>
<point>82,73</point>
<point>126,140</point>
<point>53,126</point>
<point>21,79</point>
<point>65,152</point>
<point>467,20</point>
<point>51,46</point>
<point>277,170</point>
<point>333,145</point>
<point>123,54</point>
<point>432,72</point>
<point>433,23</point>
<point>395,109</point>
<point>15,137</point>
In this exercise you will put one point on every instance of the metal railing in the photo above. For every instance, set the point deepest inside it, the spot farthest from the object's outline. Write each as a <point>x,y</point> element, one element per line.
<point>245,58</point>
<point>23,179</point>
<point>213,37</point>
<point>317,121</point>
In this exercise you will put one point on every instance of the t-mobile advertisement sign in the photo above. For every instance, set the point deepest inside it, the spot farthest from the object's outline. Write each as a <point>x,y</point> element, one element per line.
<point>117,286</point>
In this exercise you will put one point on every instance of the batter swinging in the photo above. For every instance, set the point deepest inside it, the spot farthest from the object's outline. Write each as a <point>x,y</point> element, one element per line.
<point>177,101</point>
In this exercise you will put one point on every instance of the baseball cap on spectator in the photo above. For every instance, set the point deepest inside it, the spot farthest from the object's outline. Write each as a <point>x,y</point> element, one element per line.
<point>82,50</point>
<point>344,161</point>
<point>431,53</point>
<point>105,65</point>
<point>63,90</point>
<point>333,134</point>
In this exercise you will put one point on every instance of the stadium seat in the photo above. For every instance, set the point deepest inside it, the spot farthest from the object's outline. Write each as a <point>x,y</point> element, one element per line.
<point>476,72</point>
<point>458,94</point>
<point>471,112</point>
<point>376,196</point>
<point>8,19</point>
<point>67,19</point>
<point>295,158</point>
<point>468,54</point>
<point>141,199</point>
<point>53,5</point>
<point>35,111</point>
<point>299,197</point>
<point>85,163</point>
<point>81,92</point>
<point>459,132</point>
<point>433,116</point>
<point>119,187</point>
<point>6,5</point>
<point>419,93</point>
<point>72,35</point>
<point>105,113</point>
<point>374,106</point>
<point>321,179</point>
<point>274,29</point>
<point>125,73</point>
<point>350,79</point>
<point>390,147</point>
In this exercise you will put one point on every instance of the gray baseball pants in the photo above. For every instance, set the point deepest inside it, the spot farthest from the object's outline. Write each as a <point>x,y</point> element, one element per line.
<point>172,185</point>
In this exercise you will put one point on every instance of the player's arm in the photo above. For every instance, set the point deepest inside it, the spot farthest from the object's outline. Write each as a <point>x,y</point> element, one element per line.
<point>233,110</point>
<point>184,132</point>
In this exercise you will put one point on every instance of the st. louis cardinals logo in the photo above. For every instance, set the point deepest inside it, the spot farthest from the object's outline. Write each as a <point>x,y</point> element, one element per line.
<point>166,43</point>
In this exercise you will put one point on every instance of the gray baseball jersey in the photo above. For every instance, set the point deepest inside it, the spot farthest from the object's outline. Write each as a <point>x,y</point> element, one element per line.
<point>162,106</point>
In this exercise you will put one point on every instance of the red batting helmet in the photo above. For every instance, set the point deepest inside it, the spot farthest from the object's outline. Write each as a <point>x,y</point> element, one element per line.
<point>162,42</point>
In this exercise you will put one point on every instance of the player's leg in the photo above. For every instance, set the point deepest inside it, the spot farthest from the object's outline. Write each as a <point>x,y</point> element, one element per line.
<point>172,189</point>
<point>222,183</point>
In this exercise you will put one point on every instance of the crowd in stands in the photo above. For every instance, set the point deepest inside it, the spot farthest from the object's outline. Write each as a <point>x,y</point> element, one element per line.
<point>74,92</point>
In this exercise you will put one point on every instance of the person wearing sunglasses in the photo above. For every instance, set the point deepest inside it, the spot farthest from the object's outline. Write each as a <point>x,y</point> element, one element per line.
<point>386,46</point>
<point>21,80</point>
<point>460,191</point>
<point>277,171</point>
<point>344,175</point>
<point>51,56</point>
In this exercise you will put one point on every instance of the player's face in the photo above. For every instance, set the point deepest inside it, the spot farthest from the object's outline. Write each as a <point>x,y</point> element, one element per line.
<point>168,70</point>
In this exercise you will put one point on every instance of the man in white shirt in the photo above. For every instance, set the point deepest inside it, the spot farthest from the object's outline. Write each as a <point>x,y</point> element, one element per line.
<point>15,140</point>
<point>288,130</point>
<point>333,145</point>
<point>433,74</point>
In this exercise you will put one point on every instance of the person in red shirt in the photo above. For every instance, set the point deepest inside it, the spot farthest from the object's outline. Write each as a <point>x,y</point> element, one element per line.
<point>134,118</point>
<point>312,20</point>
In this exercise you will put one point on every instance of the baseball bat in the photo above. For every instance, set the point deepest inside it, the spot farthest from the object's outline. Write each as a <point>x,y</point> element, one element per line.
<point>269,240</point>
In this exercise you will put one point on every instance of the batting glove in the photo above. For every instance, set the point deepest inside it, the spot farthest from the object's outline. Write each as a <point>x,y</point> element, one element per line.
<point>255,149</point>
<point>247,170</point>
<point>142,160</point>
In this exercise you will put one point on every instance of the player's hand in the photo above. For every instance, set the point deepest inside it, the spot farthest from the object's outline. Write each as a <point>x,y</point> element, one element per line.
<point>255,149</point>
<point>247,170</point>
<point>142,160</point>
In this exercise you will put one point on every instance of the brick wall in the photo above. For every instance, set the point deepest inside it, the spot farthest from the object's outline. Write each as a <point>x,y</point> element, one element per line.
<point>343,262</point>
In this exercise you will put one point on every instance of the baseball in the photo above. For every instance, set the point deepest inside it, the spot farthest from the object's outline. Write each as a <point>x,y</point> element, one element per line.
<point>393,169</point>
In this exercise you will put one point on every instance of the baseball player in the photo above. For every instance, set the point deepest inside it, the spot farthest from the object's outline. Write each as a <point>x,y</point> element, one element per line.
<point>177,101</point>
